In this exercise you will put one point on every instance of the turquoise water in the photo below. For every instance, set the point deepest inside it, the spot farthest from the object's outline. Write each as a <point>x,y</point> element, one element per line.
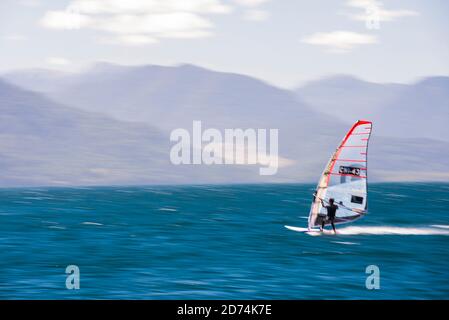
<point>219,242</point>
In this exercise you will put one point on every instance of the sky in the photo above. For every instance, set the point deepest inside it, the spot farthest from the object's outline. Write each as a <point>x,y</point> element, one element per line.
<point>284,42</point>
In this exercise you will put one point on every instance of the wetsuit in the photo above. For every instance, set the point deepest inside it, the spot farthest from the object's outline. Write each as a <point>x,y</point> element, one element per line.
<point>331,211</point>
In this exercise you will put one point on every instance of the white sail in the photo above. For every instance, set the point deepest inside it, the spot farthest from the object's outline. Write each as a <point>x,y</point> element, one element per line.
<point>345,178</point>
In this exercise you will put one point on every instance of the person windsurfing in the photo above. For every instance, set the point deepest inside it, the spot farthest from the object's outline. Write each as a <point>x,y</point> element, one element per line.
<point>345,178</point>
<point>331,211</point>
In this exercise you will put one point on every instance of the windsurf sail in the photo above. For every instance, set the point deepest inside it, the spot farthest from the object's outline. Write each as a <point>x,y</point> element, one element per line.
<point>345,178</point>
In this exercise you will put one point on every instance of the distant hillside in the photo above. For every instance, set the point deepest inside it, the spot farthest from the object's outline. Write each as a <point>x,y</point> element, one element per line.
<point>44,143</point>
<point>419,110</point>
<point>422,110</point>
<point>170,97</point>
<point>347,98</point>
<point>111,125</point>
<point>39,80</point>
<point>47,143</point>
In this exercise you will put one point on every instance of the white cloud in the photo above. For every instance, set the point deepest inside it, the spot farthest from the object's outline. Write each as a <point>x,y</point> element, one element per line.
<point>147,6</point>
<point>58,61</point>
<point>340,41</point>
<point>65,20</point>
<point>253,12</point>
<point>256,15</point>
<point>372,12</point>
<point>138,22</point>
<point>159,25</point>
<point>362,3</point>
<point>30,3</point>
<point>375,9</point>
<point>250,3</point>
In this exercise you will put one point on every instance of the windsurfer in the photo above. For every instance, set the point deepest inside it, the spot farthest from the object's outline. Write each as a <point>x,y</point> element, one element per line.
<point>331,211</point>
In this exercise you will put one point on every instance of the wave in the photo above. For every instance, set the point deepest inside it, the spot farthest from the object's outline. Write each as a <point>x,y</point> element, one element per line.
<point>57,227</point>
<point>92,223</point>
<point>390,230</point>
<point>443,226</point>
<point>346,243</point>
<point>167,209</point>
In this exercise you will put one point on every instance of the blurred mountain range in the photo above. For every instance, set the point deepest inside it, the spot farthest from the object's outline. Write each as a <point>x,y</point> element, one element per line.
<point>111,125</point>
<point>419,110</point>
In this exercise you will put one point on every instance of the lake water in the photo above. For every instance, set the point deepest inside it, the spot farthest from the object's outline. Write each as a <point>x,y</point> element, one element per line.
<point>220,242</point>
